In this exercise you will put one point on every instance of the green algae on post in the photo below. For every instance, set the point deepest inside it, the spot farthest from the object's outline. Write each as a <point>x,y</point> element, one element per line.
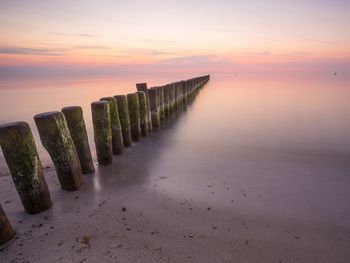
<point>143,87</point>
<point>117,136</point>
<point>77,129</point>
<point>143,112</point>
<point>6,230</point>
<point>56,139</point>
<point>153,99</point>
<point>123,111</point>
<point>23,161</point>
<point>161,102</point>
<point>101,121</point>
<point>134,116</point>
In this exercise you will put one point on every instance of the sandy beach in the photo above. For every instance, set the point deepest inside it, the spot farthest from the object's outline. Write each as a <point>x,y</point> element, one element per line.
<point>182,195</point>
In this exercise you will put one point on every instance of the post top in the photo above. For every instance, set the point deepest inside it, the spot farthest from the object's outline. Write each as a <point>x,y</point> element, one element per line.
<point>99,102</point>
<point>71,108</point>
<point>46,115</point>
<point>14,124</point>
<point>108,99</point>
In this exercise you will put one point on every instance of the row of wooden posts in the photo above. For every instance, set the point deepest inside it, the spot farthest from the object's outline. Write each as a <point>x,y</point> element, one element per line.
<point>117,122</point>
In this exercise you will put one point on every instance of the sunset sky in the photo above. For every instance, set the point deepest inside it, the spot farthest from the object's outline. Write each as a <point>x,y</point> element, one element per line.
<point>220,36</point>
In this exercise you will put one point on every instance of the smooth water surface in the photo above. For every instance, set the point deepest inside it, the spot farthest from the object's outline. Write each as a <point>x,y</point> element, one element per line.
<point>256,169</point>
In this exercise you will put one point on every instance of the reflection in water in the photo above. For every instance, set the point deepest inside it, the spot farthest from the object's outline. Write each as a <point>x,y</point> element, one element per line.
<point>257,166</point>
<point>283,141</point>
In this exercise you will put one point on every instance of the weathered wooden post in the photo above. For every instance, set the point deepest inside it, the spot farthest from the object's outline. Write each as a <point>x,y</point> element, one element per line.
<point>176,95</point>
<point>23,161</point>
<point>143,87</point>
<point>153,100</point>
<point>123,111</point>
<point>117,136</point>
<point>101,121</point>
<point>6,230</point>
<point>166,91</point>
<point>134,116</point>
<point>172,97</point>
<point>161,102</point>
<point>56,139</point>
<point>183,92</point>
<point>77,129</point>
<point>143,112</point>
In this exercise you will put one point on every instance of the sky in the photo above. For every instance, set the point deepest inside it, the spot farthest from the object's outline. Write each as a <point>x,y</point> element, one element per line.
<point>84,36</point>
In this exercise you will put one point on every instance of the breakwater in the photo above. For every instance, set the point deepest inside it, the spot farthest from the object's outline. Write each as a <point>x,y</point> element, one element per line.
<point>118,122</point>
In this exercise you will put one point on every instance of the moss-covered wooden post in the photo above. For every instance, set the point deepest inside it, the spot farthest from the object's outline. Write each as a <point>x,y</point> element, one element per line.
<point>166,92</point>
<point>176,95</point>
<point>101,121</point>
<point>22,158</point>
<point>56,139</point>
<point>172,97</point>
<point>161,102</point>
<point>6,230</point>
<point>143,113</point>
<point>153,99</point>
<point>143,87</point>
<point>134,116</point>
<point>183,91</point>
<point>77,129</point>
<point>123,111</point>
<point>117,136</point>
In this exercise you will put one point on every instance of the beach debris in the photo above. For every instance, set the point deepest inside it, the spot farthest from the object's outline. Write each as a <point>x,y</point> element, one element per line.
<point>86,241</point>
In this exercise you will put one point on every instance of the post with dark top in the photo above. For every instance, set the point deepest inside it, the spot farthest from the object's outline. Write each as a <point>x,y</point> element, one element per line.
<point>117,136</point>
<point>153,99</point>
<point>6,230</point>
<point>56,139</point>
<point>143,87</point>
<point>166,92</point>
<point>161,102</point>
<point>172,97</point>
<point>77,129</point>
<point>134,115</point>
<point>123,111</point>
<point>143,112</point>
<point>23,161</point>
<point>101,121</point>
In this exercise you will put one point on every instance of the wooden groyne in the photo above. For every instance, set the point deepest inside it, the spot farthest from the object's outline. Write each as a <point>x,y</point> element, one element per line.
<point>118,121</point>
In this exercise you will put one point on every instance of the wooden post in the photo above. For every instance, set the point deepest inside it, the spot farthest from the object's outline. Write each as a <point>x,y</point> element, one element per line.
<point>56,139</point>
<point>123,111</point>
<point>77,129</point>
<point>117,136</point>
<point>153,99</point>
<point>6,230</point>
<point>143,87</point>
<point>102,131</point>
<point>134,116</point>
<point>22,158</point>
<point>143,112</point>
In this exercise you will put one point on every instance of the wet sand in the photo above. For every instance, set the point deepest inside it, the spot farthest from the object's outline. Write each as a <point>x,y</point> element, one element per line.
<point>178,197</point>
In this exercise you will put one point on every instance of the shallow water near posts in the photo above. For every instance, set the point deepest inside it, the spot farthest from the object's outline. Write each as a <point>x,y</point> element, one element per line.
<point>256,169</point>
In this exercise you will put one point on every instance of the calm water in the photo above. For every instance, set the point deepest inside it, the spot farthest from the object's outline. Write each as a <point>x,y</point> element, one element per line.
<point>268,155</point>
<point>286,113</point>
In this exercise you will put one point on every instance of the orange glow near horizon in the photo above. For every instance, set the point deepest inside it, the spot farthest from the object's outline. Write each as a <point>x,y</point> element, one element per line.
<point>199,34</point>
